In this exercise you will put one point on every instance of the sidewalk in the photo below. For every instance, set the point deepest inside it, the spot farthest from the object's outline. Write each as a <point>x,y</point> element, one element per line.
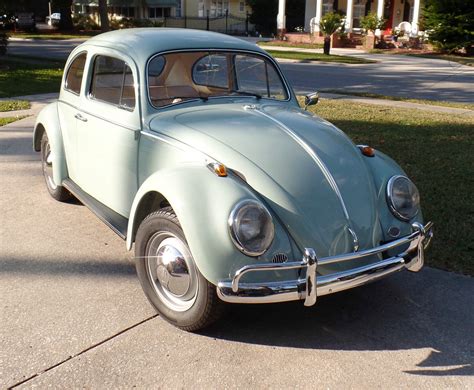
<point>39,101</point>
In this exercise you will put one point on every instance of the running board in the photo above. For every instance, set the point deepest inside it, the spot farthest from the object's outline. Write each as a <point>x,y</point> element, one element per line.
<point>112,219</point>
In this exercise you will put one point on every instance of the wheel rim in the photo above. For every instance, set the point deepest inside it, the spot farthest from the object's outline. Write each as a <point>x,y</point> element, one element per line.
<point>48,166</point>
<point>171,271</point>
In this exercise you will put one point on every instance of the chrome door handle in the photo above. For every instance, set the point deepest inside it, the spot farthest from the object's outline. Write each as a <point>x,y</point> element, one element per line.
<point>80,117</point>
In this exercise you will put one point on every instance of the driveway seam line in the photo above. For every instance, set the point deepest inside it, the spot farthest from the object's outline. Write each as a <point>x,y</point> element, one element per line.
<point>81,352</point>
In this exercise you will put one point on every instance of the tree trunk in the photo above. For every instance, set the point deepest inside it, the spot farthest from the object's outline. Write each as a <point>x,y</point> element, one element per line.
<point>104,17</point>
<point>327,44</point>
<point>64,7</point>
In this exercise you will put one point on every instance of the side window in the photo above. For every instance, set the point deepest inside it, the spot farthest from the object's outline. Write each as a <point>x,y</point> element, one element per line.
<point>112,82</point>
<point>211,71</point>
<point>75,73</point>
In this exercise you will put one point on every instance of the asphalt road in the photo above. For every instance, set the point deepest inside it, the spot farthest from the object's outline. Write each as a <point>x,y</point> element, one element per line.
<point>393,75</point>
<point>72,314</point>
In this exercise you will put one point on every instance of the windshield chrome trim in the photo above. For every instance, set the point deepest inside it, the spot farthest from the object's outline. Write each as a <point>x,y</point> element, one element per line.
<point>265,55</point>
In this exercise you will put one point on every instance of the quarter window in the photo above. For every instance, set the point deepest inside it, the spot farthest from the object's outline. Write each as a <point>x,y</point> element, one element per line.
<point>75,73</point>
<point>112,82</point>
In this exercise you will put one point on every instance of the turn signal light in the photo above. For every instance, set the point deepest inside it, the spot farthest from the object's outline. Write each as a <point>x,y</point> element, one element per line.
<point>367,150</point>
<point>218,168</point>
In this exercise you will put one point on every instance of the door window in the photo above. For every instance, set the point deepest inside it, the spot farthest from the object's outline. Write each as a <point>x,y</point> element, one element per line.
<point>112,82</point>
<point>75,73</point>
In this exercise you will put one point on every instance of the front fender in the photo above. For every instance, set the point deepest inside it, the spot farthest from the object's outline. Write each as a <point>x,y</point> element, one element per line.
<point>202,202</point>
<point>48,121</point>
<point>383,168</point>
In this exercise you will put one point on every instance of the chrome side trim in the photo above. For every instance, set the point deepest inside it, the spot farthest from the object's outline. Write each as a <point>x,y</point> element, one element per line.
<point>324,169</point>
<point>311,286</point>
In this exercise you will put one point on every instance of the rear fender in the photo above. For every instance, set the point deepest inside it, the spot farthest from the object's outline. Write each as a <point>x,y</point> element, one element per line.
<point>48,121</point>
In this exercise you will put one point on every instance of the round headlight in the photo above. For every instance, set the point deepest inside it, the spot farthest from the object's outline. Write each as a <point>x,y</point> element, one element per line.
<point>403,197</point>
<point>251,227</point>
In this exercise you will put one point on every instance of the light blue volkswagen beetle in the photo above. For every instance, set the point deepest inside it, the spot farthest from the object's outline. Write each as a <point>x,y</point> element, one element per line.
<point>192,146</point>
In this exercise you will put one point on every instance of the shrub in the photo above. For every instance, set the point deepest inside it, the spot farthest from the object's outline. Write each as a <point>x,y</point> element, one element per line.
<point>372,22</point>
<point>83,22</point>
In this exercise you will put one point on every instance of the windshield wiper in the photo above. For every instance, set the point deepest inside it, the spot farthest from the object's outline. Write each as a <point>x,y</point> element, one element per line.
<point>258,96</point>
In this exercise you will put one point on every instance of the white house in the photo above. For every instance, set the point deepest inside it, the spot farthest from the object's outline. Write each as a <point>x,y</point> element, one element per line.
<point>394,11</point>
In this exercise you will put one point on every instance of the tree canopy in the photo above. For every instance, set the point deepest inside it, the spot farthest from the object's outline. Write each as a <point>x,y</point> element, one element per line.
<point>450,23</point>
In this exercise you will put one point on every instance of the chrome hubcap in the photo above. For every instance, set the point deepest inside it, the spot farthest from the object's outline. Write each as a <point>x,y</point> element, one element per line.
<point>171,270</point>
<point>48,167</point>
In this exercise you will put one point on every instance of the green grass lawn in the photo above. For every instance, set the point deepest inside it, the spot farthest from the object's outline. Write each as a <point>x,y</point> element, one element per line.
<point>13,105</point>
<point>56,36</point>
<point>468,106</point>
<point>25,77</point>
<point>288,44</point>
<point>436,151</point>
<point>10,119</point>
<point>295,55</point>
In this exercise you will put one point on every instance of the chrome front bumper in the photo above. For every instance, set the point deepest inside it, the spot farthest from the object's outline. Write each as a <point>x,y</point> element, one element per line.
<point>312,286</point>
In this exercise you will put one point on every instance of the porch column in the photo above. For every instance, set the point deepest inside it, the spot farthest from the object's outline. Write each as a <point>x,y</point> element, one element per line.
<point>317,18</point>
<point>281,17</point>
<point>380,5</point>
<point>416,16</point>
<point>349,13</point>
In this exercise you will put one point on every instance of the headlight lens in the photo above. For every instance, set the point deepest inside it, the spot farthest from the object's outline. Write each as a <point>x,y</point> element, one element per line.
<point>251,227</point>
<point>403,197</point>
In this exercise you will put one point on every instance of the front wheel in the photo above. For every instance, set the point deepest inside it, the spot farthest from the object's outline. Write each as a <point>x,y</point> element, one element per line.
<point>168,275</point>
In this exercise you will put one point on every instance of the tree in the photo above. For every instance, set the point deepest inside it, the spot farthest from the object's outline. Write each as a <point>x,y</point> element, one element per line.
<point>450,24</point>
<point>264,13</point>
<point>64,8</point>
<point>104,16</point>
<point>330,24</point>
<point>3,43</point>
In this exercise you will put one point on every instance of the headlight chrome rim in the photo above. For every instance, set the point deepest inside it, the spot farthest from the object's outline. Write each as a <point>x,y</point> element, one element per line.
<point>231,223</point>
<point>391,203</point>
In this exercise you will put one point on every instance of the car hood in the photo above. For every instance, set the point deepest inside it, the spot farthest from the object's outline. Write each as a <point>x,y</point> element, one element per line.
<point>308,172</point>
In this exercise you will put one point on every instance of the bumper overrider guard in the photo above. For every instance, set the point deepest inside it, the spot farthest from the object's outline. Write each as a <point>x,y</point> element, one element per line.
<point>312,286</point>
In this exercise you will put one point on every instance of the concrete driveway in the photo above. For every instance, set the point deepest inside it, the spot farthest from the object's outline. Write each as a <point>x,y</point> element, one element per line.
<point>72,314</point>
<point>393,75</point>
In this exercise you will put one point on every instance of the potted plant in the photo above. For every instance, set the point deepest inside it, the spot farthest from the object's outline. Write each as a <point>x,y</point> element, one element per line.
<point>330,24</point>
<point>370,23</point>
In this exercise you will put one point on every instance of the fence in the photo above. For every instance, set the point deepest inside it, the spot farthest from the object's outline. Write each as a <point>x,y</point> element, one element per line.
<point>228,23</point>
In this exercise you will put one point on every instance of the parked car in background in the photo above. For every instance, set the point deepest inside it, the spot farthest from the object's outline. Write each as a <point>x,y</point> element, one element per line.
<point>25,21</point>
<point>53,19</point>
<point>192,146</point>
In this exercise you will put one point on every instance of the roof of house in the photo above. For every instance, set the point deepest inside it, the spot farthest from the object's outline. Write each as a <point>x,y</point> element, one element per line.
<point>141,43</point>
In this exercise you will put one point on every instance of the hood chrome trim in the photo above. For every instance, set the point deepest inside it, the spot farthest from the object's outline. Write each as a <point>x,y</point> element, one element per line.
<point>324,169</point>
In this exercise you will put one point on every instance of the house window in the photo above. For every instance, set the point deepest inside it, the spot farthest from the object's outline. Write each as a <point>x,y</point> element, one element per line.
<point>218,8</point>
<point>159,12</point>
<point>242,6</point>
<point>358,13</point>
<point>128,12</point>
<point>201,8</point>
<point>178,10</point>
<point>328,6</point>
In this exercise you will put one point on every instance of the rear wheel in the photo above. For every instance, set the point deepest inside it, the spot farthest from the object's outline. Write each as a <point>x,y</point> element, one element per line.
<point>168,275</point>
<point>56,191</point>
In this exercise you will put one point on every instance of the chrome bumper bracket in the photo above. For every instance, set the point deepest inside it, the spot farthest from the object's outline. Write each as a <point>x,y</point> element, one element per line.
<point>312,286</point>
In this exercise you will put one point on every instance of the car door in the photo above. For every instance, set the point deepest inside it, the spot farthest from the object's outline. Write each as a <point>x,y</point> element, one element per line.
<point>108,132</point>
<point>68,106</point>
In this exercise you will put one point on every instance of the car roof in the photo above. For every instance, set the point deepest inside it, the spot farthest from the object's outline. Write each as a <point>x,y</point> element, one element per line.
<point>142,43</point>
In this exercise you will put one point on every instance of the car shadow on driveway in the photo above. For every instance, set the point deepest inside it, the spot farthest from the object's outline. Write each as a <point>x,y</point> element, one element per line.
<point>432,309</point>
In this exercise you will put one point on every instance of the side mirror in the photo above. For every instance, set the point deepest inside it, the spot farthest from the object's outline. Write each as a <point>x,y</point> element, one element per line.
<point>311,99</point>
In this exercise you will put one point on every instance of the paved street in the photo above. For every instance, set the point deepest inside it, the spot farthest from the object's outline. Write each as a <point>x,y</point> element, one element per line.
<point>394,75</point>
<point>72,314</point>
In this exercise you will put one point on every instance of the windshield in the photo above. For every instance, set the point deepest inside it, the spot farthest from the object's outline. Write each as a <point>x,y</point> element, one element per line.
<point>176,77</point>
